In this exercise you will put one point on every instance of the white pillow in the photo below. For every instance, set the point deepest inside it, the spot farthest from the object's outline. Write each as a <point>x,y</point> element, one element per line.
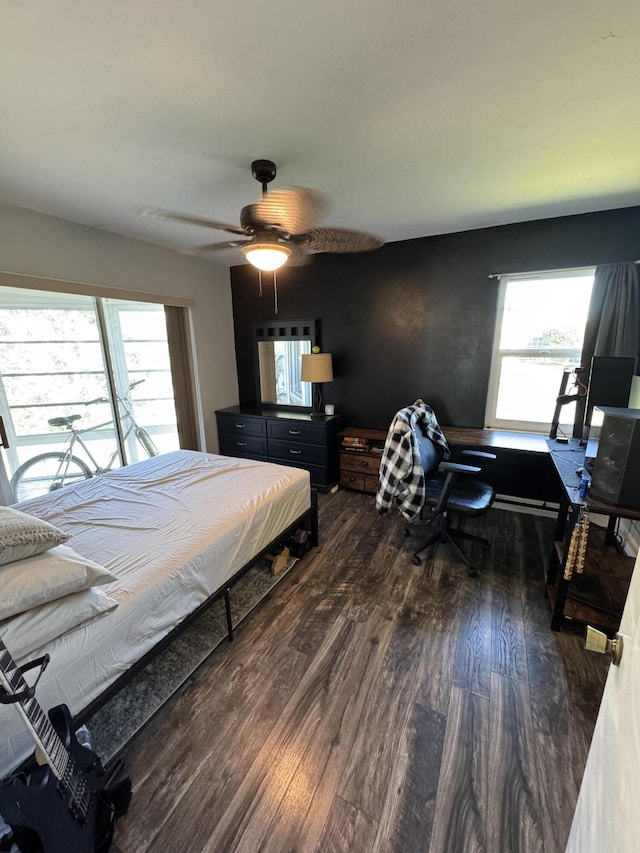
<point>26,632</point>
<point>45,577</point>
<point>23,535</point>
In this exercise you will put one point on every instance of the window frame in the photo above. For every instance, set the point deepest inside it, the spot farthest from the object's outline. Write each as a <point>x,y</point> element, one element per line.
<point>497,355</point>
<point>112,346</point>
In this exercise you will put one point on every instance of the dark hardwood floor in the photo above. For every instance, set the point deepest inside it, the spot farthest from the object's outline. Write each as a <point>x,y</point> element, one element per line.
<point>370,705</point>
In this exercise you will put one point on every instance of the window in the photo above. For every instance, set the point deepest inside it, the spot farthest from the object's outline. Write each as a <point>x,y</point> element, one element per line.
<point>539,332</point>
<point>57,354</point>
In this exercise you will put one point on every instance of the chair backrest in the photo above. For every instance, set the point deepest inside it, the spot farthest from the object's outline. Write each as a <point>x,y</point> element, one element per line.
<point>431,454</point>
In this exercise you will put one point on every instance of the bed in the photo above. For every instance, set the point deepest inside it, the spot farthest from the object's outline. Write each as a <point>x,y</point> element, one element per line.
<point>176,531</point>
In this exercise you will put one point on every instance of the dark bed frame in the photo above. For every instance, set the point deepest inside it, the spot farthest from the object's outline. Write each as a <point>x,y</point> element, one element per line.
<point>308,520</point>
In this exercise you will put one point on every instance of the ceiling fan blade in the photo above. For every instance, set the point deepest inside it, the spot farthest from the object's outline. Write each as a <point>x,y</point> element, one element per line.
<point>192,220</point>
<point>341,240</point>
<point>211,247</point>
<point>293,209</point>
<point>299,258</point>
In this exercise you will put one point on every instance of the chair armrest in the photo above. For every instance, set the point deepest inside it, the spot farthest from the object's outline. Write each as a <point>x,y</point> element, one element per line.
<point>457,468</point>
<point>481,454</point>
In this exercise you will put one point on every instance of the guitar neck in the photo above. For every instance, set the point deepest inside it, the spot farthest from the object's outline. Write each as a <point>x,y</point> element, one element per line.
<point>43,733</point>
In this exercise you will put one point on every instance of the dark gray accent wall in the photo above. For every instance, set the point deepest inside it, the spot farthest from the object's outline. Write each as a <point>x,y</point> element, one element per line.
<point>416,318</point>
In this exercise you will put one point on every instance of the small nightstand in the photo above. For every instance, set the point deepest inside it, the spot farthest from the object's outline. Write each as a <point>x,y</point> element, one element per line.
<point>360,454</point>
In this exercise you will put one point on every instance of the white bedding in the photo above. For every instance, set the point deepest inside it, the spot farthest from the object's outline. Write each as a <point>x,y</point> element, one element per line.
<point>172,529</point>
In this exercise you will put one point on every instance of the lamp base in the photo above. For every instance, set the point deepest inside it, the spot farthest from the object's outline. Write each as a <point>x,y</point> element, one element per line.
<point>317,416</point>
<point>317,401</point>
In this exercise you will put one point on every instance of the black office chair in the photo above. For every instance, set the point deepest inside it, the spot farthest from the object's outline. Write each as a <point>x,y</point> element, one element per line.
<point>450,489</point>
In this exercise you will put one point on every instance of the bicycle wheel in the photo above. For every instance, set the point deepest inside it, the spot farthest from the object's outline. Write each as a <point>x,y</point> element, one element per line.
<point>46,473</point>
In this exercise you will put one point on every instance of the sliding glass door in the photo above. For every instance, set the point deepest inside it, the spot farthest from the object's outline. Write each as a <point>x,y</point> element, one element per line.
<point>136,334</point>
<point>85,386</point>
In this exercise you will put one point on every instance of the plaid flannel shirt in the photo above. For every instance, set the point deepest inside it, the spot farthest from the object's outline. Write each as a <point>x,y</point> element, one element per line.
<point>401,479</point>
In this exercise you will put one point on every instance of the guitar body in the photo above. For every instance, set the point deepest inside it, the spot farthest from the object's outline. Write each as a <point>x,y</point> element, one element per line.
<point>37,807</point>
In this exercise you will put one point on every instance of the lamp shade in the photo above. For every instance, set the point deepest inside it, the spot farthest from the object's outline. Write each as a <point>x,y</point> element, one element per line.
<point>266,256</point>
<point>317,367</point>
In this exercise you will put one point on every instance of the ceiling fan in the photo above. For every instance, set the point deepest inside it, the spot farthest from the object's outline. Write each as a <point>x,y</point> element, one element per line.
<point>280,227</point>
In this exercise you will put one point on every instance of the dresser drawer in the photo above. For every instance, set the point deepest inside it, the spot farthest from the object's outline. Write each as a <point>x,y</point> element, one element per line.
<point>284,438</point>
<point>358,481</point>
<point>371,483</point>
<point>359,462</point>
<point>310,454</point>
<point>241,425</point>
<point>317,474</point>
<point>293,431</point>
<point>245,445</point>
<point>352,480</point>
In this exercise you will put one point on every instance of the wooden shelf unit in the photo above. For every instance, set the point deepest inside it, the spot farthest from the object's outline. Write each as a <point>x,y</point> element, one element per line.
<point>597,594</point>
<point>359,468</point>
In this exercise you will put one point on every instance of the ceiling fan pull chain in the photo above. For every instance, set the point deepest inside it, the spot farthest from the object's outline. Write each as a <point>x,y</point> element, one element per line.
<point>260,283</point>
<point>275,291</point>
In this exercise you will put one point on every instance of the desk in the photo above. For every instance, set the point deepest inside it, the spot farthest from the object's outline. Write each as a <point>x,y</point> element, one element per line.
<point>522,469</point>
<point>596,595</point>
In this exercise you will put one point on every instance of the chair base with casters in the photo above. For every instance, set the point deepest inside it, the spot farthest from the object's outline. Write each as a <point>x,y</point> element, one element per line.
<point>479,495</point>
<point>450,490</point>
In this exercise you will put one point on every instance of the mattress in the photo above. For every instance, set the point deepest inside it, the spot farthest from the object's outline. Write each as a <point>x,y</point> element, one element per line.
<point>172,529</point>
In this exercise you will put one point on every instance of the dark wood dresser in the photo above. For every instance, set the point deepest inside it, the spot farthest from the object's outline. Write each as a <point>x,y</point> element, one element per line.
<point>283,437</point>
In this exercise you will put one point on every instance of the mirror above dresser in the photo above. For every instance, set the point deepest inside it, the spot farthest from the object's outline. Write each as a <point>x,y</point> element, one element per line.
<point>278,350</point>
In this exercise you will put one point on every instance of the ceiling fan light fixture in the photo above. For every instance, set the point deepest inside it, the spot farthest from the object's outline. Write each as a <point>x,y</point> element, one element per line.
<point>266,256</point>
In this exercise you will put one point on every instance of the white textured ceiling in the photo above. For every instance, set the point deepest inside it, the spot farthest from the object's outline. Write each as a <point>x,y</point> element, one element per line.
<point>413,117</point>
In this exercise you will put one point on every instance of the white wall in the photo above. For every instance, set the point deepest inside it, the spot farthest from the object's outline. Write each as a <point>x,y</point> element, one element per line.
<point>35,244</point>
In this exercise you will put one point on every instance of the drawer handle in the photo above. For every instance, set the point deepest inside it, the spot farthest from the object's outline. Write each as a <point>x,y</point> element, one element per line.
<point>352,479</point>
<point>241,443</point>
<point>241,426</point>
<point>295,452</point>
<point>295,431</point>
<point>364,464</point>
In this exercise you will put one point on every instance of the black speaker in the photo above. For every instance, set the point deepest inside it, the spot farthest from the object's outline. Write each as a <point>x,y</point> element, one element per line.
<point>616,472</point>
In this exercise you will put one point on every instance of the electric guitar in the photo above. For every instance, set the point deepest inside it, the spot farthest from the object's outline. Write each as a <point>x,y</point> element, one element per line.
<point>62,801</point>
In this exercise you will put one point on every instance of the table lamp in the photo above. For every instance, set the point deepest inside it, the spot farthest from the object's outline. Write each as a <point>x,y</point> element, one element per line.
<point>317,368</point>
